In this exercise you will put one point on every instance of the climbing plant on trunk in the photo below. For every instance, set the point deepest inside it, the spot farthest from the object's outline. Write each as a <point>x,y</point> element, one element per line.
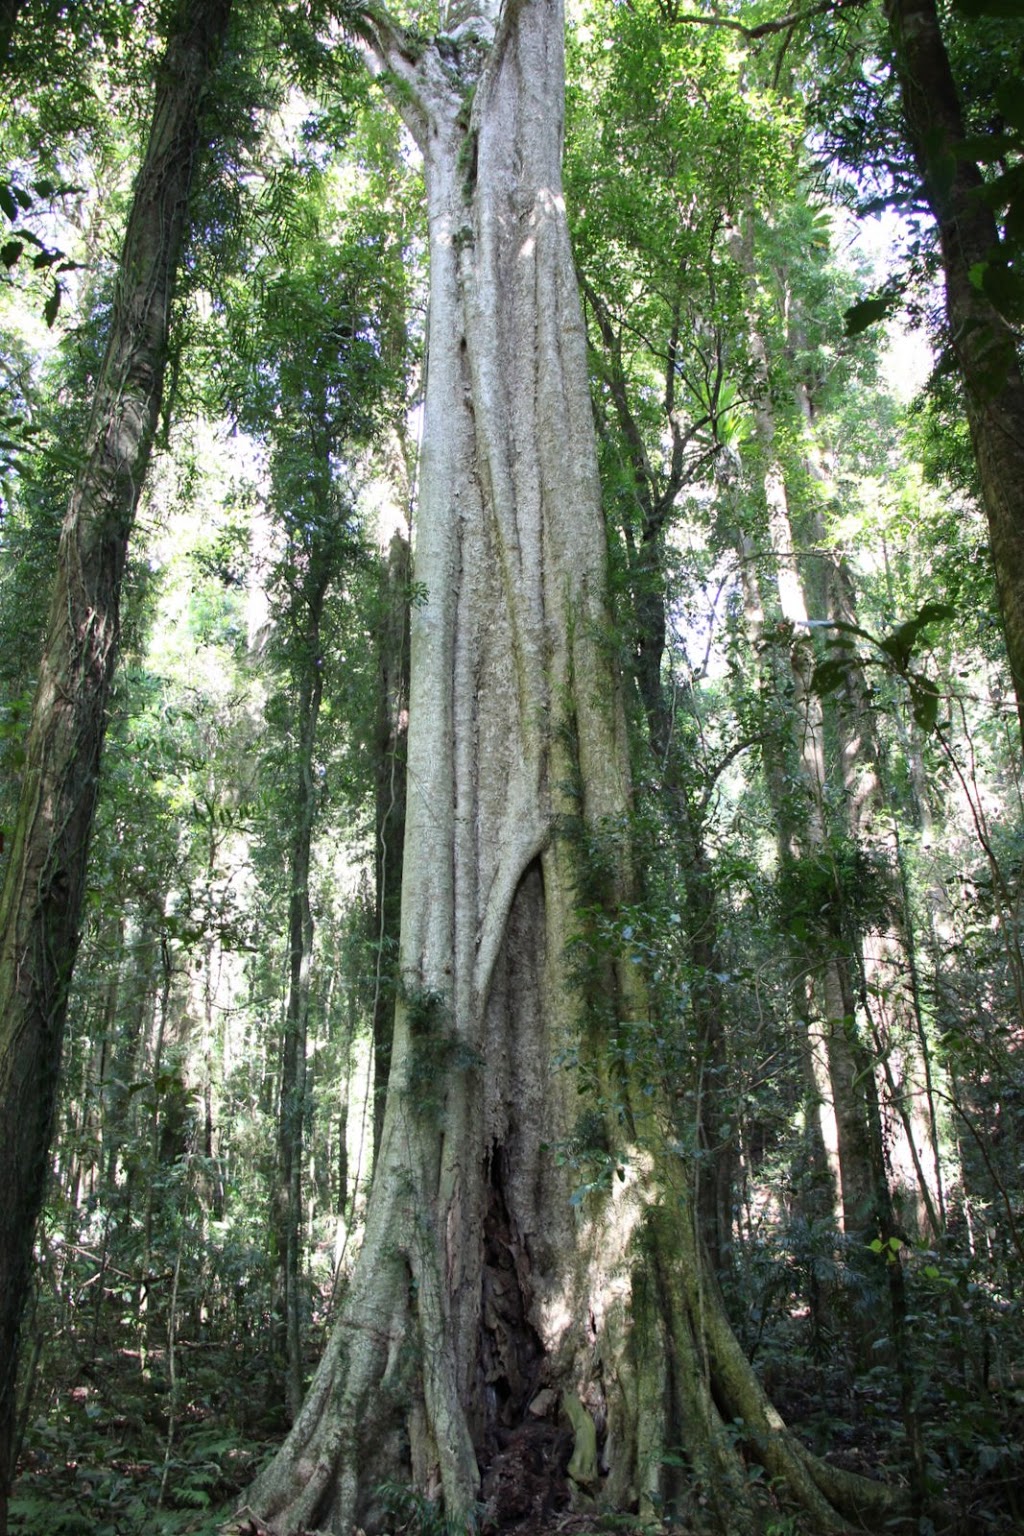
<point>530,1258</point>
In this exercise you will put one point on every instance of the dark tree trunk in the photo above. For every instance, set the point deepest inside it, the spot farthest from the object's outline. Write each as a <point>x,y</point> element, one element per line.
<point>9,10</point>
<point>389,766</point>
<point>985,345</point>
<point>296,1028</point>
<point>40,910</point>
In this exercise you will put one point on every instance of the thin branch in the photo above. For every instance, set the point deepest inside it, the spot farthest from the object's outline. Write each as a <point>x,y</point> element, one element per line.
<point>767,28</point>
<point>615,378</point>
<point>735,751</point>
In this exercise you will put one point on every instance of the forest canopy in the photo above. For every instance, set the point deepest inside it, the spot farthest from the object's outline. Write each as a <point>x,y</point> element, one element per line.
<point>511,716</point>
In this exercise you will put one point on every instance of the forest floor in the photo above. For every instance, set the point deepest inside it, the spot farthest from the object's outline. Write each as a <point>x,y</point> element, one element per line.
<point>104,1457</point>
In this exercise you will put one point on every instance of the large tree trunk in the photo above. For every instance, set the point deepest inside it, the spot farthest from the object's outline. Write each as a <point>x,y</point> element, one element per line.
<point>40,910</point>
<point>492,1326</point>
<point>984,343</point>
<point>467,1298</point>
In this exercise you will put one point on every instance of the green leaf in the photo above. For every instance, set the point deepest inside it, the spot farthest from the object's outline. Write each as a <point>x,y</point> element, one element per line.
<point>924,701</point>
<point>868,312</point>
<point>931,613</point>
<point>941,172</point>
<point>899,645</point>
<point>844,629</point>
<point>1002,189</point>
<point>7,202</point>
<point>829,675</point>
<point>46,188</point>
<point>1015,220</point>
<point>986,147</point>
<point>1005,287</point>
<point>52,305</point>
<point>10,252</point>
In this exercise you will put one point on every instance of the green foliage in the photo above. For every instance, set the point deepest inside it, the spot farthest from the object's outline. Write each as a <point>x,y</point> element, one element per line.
<point>16,201</point>
<point>835,891</point>
<point>438,1053</point>
<point>897,648</point>
<point>868,312</point>
<point>410,1513</point>
<point>701,232</point>
<point>82,1478</point>
<point>586,1151</point>
<point>662,133</point>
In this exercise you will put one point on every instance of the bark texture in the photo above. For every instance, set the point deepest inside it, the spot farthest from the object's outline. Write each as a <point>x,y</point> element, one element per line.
<point>500,1345</point>
<point>984,343</point>
<point>40,909</point>
<point>466,1304</point>
<point>866,960</point>
<point>390,743</point>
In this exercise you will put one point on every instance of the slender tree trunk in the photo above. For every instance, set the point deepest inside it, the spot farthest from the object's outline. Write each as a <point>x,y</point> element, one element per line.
<point>291,1117</point>
<point>984,343</point>
<point>840,751</point>
<point>853,950</point>
<point>803,827</point>
<point>40,909</point>
<point>390,766</point>
<point>794,771</point>
<point>889,997</point>
<point>655,491</point>
<point>886,959</point>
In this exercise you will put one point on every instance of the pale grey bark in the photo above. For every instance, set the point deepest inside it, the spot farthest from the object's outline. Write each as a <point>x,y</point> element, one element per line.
<point>890,997</point>
<point>512,700</point>
<point>308,610</point>
<point>864,970</point>
<point>484,1305</point>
